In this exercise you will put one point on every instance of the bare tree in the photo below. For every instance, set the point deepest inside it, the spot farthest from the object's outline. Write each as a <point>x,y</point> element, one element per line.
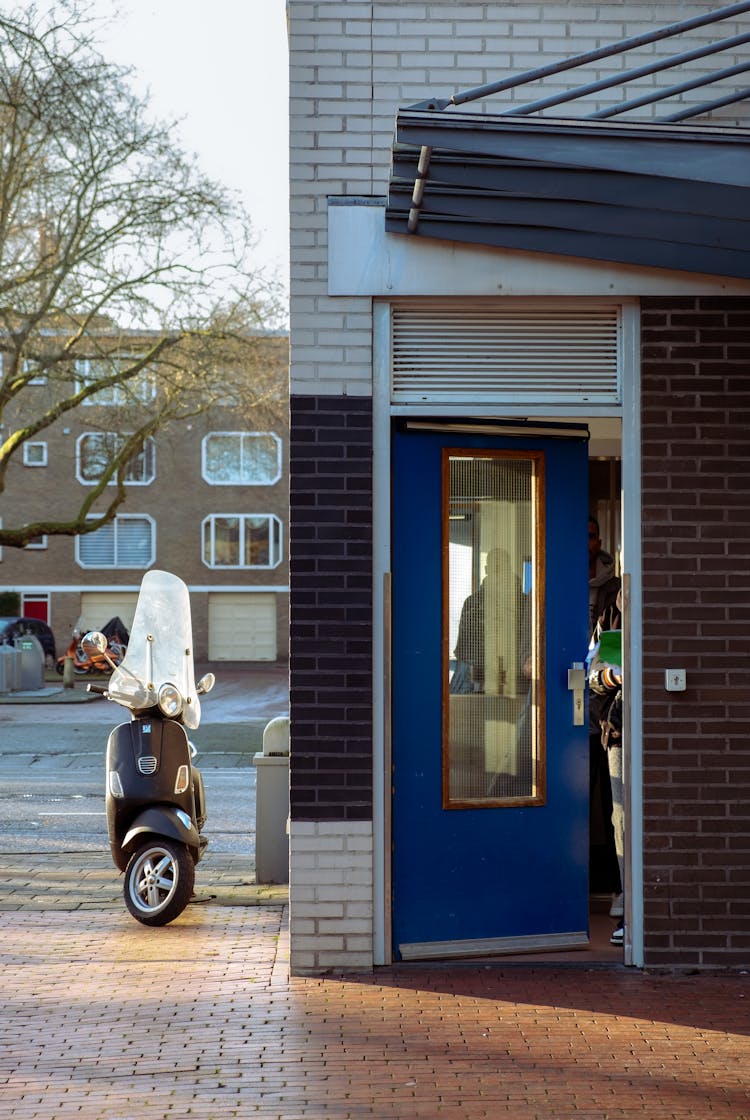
<point>123,270</point>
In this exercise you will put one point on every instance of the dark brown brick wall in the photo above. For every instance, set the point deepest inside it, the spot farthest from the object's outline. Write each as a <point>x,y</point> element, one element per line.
<point>696,607</point>
<point>331,608</point>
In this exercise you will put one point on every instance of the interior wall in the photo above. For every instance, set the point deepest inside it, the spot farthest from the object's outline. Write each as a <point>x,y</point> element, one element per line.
<point>605,486</point>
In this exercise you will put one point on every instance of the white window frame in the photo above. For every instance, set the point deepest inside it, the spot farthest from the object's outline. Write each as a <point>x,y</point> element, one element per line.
<point>40,379</point>
<point>37,542</point>
<point>115,524</point>
<point>41,446</point>
<point>243,437</point>
<point>149,440</point>
<point>275,542</point>
<point>142,386</point>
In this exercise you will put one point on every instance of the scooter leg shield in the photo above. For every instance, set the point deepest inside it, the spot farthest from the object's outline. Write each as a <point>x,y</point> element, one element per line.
<point>199,796</point>
<point>163,820</point>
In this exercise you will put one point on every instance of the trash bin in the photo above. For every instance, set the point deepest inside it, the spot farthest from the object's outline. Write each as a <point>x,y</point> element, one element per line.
<point>32,662</point>
<point>272,804</point>
<point>10,668</point>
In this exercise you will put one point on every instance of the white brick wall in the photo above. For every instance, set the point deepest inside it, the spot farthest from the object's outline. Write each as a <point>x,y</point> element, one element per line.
<point>350,72</point>
<point>331,896</point>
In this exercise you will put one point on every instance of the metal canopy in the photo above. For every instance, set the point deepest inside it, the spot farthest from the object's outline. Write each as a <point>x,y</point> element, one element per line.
<point>665,195</point>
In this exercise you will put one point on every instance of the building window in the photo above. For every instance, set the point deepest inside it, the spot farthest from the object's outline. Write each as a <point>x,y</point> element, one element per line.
<point>95,451</point>
<point>37,542</point>
<point>30,366</point>
<point>35,454</point>
<point>140,388</point>
<point>242,540</point>
<point>129,541</point>
<point>241,458</point>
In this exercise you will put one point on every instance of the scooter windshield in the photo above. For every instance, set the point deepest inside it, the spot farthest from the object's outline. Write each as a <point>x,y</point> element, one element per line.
<point>160,650</point>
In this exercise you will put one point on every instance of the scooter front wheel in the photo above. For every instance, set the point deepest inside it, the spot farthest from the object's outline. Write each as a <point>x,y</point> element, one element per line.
<point>159,881</point>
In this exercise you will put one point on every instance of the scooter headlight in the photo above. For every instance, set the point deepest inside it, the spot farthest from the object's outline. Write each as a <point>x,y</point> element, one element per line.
<point>170,701</point>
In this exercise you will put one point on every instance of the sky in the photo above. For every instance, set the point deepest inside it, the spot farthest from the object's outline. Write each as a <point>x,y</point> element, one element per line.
<point>220,67</point>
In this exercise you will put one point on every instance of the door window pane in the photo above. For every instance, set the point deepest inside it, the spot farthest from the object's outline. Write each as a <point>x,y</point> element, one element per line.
<point>493,580</point>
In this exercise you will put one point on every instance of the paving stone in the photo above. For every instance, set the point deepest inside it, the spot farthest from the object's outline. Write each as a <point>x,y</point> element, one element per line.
<point>105,1019</point>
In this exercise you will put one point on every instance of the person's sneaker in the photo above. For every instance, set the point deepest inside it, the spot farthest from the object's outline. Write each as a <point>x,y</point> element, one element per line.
<point>618,936</point>
<point>616,910</point>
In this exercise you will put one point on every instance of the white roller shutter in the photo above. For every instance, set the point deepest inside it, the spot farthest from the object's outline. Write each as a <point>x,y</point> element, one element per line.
<point>241,627</point>
<point>487,352</point>
<point>97,607</point>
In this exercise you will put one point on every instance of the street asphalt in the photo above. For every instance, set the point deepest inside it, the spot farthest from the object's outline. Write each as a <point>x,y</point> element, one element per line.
<point>68,724</point>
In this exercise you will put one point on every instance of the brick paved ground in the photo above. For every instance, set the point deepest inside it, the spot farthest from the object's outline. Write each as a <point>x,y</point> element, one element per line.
<point>104,1019</point>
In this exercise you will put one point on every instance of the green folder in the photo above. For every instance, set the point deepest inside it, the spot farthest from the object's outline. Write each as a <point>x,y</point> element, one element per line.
<point>610,647</point>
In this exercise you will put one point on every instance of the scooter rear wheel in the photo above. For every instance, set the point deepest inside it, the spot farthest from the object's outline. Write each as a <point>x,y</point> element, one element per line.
<point>159,881</point>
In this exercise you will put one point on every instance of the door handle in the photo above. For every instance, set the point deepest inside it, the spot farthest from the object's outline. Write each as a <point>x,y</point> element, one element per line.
<point>577,685</point>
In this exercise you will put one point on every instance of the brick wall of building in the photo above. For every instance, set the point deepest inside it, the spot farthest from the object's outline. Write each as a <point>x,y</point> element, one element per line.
<point>331,608</point>
<point>352,64</point>
<point>330,896</point>
<point>696,616</point>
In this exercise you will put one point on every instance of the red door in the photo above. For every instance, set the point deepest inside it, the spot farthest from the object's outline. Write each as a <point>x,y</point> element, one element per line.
<point>35,606</point>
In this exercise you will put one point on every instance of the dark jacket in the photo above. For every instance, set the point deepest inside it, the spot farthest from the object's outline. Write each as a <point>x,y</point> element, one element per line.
<point>605,695</point>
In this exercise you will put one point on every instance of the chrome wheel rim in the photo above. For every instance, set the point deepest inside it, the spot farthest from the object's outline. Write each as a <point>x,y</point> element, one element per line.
<point>153,879</point>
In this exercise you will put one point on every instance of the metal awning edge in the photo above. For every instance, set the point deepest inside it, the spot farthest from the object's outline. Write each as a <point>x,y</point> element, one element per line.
<point>598,155</point>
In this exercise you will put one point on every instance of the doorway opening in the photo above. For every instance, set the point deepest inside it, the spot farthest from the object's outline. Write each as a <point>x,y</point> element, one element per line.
<point>605,505</point>
<point>606,871</point>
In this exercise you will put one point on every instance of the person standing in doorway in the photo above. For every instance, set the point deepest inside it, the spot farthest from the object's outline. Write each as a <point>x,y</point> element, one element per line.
<point>603,865</point>
<point>605,680</point>
<point>603,581</point>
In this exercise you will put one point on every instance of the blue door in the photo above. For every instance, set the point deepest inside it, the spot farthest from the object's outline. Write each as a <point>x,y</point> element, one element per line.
<point>490,742</point>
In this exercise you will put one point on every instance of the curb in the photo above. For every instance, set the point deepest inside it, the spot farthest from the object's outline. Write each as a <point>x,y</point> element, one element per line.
<point>57,695</point>
<point>49,741</point>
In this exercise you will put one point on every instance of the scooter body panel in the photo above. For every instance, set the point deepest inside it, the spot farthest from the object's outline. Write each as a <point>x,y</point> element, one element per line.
<point>162,820</point>
<point>146,755</point>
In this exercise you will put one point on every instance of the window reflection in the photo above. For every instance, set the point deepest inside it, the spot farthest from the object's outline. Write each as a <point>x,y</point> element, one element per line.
<point>492,750</point>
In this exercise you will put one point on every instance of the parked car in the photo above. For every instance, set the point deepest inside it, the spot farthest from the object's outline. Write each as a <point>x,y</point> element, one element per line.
<point>11,628</point>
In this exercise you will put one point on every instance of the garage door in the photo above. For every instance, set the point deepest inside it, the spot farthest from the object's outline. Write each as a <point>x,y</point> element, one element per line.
<point>97,607</point>
<point>242,627</point>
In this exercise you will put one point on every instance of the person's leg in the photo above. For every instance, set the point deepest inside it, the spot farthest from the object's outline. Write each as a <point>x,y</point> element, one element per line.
<point>614,758</point>
<point>604,877</point>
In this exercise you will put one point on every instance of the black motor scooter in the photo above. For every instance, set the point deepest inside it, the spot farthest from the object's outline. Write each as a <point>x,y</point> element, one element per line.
<point>154,796</point>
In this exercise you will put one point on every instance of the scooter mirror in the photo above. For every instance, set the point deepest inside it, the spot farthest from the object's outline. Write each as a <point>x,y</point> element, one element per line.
<point>205,684</point>
<point>94,642</point>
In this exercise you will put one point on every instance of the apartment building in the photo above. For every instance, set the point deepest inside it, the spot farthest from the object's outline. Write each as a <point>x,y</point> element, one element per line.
<point>206,498</point>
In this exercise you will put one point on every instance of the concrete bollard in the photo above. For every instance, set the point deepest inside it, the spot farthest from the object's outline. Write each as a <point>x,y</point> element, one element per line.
<point>68,675</point>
